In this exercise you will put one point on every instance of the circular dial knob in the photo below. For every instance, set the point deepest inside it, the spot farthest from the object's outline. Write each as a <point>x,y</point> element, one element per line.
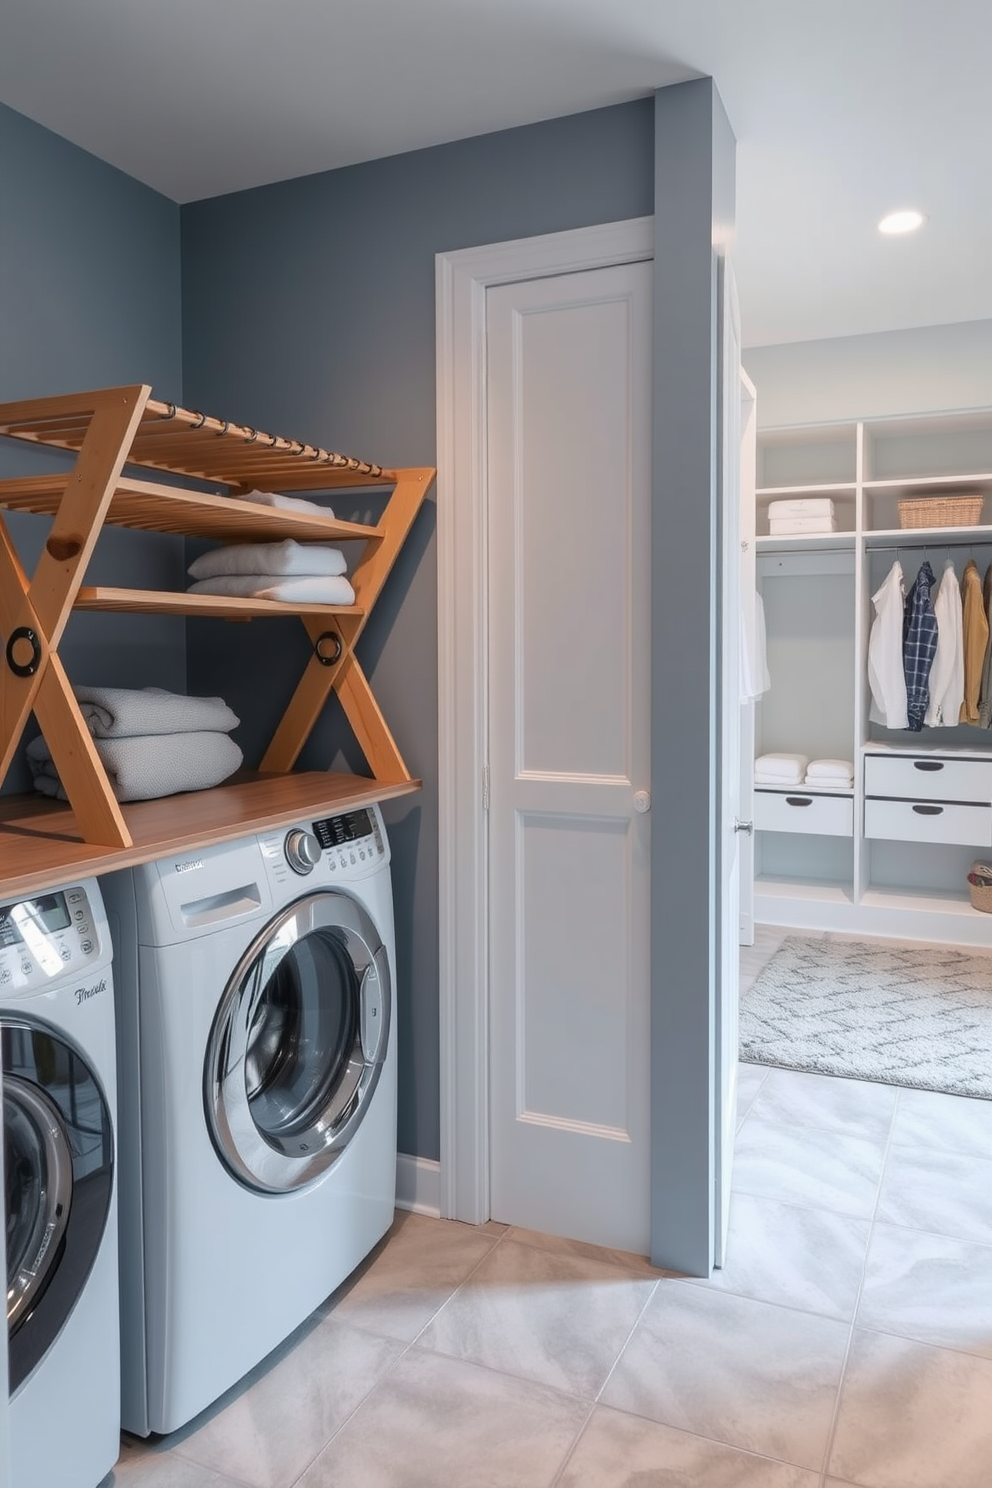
<point>302,851</point>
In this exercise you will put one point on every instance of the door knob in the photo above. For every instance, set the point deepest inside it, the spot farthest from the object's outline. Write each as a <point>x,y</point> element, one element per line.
<point>740,826</point>
<point>642,802</point>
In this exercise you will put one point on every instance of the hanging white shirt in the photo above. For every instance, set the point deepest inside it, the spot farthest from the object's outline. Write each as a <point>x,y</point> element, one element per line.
<point>885,668</point>
<point>947,672</point>
<point>755,680</point>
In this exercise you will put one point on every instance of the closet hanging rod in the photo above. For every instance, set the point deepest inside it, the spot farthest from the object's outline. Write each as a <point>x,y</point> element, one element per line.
<point>960,542</point>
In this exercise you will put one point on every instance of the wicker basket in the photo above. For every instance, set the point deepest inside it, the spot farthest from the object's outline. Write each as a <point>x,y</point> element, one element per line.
<point>941,511</point>
<point>981,891</point>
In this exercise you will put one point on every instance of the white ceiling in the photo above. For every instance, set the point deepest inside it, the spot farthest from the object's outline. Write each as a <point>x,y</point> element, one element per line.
<point>843,110</point>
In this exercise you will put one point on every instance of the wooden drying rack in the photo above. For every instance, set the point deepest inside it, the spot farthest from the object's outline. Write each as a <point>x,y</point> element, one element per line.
<point>110,430</point>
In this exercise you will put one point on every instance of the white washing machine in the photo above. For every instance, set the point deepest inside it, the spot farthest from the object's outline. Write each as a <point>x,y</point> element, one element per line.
<point>258,1098</point>
<point>59,1105</point>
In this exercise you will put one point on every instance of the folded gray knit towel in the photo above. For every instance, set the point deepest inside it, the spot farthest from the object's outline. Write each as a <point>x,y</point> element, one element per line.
<point>141,769</point>
<point>286,503</point>
<point>123,712</point>
<point>300,588</point>
<point>280,558</point>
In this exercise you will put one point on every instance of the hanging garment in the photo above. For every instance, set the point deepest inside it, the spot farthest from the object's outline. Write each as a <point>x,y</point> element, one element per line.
<point>947,673</point>
<point>886,676</point>
<point>918,646</point>
<point>985,696</point>
<point>976,640</point>
<point>755,680</point>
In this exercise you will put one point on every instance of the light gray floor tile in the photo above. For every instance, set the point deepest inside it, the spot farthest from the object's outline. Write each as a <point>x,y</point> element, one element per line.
<point>632,1265</point>
<point>929,1287</point>
<point>621,1451</point>
<point>767,939</point>
<point>412,1274</point>
<point>796,1098</point>
<point>802,1165</point>
<point>750,1078</point>
<point>938,1191</point>
<point>152,1465</point>
<point>913,1416</point>
<point>520,1312</point>
<point>943,1123</point>
<point>734,1370</point>
<point>441,1421</point>
<point>804,1258</point>
<point>267,1433</point>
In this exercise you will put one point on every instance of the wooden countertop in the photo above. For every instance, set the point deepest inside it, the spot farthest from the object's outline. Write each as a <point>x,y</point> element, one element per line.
<point>41,846</point>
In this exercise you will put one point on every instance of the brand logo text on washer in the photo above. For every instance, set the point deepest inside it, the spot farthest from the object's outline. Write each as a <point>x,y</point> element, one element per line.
<point>189,865</point>
<point>83,994</point>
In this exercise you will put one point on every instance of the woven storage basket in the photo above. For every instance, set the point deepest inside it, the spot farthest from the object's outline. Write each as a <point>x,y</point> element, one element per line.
<point>941,511</point>
<point>981,893</point>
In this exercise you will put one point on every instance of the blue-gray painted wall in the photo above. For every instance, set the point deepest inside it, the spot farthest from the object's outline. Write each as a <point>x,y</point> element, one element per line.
<point>90,297</point>
<point>309,310</point>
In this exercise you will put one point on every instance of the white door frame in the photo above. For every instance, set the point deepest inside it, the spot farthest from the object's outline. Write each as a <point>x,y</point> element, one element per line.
<point>462,279</point>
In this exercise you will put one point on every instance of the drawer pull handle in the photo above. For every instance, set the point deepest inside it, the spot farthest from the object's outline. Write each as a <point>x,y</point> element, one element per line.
<point>799,800</point>
<point>928,764</point>
<point>928,810</point>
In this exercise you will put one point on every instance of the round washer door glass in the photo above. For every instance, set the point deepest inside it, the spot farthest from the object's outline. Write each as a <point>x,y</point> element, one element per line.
<point>298,1043</point>
<point>58,1154</point>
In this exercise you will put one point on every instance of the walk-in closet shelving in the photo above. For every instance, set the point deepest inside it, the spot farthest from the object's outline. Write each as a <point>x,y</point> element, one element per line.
<point>916,826</point>
<point>115,437</point>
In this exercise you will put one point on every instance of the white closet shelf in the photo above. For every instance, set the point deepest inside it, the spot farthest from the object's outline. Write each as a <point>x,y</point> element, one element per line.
<point>764,494</point>
<point>926,537</point>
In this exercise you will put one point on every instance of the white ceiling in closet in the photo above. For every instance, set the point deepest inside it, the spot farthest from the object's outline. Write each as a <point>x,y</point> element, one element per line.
<point>843,111</point>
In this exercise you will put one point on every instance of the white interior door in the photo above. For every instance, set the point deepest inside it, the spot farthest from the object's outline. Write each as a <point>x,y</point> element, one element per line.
<point>569,491</point>
<point>749,429</point>
<point>727,1033</point>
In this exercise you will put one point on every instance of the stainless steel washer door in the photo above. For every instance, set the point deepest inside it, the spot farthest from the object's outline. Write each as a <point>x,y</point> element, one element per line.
<point>298,1043</point>
<point>58,1182</point>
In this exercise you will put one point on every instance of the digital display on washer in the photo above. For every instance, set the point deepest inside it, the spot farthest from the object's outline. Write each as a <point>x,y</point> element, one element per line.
<point>335,831</point>
<point>50,913</point>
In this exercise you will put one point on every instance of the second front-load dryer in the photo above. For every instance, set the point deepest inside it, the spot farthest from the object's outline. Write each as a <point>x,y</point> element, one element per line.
<point>258,1098</point>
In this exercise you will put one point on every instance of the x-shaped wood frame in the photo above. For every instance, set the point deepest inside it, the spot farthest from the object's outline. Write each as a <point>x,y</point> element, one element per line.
<point>34,613</point>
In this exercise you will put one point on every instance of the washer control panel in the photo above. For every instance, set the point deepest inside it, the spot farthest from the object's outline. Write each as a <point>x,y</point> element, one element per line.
<point>51,935</point>
<point>351,840</point>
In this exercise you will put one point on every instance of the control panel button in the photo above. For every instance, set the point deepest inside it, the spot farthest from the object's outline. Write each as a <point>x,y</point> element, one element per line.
<point>65,953</point>
<point>83,929</point>
<point>87,946</point>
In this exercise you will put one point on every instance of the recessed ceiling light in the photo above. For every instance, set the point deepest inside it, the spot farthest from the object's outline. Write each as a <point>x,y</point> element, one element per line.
<point>901,222</point>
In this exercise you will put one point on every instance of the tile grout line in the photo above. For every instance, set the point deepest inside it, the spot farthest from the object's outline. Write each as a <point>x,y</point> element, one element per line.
<point>557,1477</point>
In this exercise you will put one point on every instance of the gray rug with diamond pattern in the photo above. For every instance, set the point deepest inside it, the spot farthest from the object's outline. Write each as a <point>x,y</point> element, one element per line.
<point>898,1014</point>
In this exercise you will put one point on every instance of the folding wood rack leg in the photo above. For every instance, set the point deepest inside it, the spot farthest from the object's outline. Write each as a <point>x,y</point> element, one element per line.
<point>33,614</point>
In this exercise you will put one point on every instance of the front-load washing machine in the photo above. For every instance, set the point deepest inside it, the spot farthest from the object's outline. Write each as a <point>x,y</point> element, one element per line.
<point>59,1106</point>
<point>258,1098</point>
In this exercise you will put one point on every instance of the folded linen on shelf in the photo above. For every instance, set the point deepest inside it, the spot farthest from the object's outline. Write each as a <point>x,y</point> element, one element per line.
<point>802,506</point>
<point>831,770</point>
<point>329,589</point>
<point>285,503</point>
<point>786,769</point>
<point>785,526</point>
<point>146,766</point>
<point>775,782</point>
<point>281,558</point>
<point>122,712</point>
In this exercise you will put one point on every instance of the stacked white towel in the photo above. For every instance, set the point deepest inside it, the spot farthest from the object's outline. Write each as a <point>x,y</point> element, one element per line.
<point>780,769</point>
<point>286,503</point>
<point>151,742</point>
<point>836,773</point>
<point>801,514</point>
<point>304,573</point>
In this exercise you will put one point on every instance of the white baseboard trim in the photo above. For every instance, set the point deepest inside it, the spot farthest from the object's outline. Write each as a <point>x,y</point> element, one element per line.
<point>418,1184</point>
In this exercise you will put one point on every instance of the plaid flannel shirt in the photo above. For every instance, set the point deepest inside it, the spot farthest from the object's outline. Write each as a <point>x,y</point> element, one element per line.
<point>919,644</point>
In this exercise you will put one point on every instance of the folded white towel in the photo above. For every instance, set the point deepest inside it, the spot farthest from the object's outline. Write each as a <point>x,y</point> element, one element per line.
<point>302,589</point>
<point>790,526</point>
<point>286,503</point>
<point>777,782</point>
<point>123,712</point>
<point>287,557</point>
<point>830,769</point>
<point>151,765</point>
<point>786,767</point>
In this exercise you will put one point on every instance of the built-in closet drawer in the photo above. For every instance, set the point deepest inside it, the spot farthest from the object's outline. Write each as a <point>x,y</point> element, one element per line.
<point>928,777</point>
<point>803,811</point>
<point>929,821</point>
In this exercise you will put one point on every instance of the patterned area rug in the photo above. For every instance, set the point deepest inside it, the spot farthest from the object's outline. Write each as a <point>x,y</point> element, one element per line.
<point>901,1015</point>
